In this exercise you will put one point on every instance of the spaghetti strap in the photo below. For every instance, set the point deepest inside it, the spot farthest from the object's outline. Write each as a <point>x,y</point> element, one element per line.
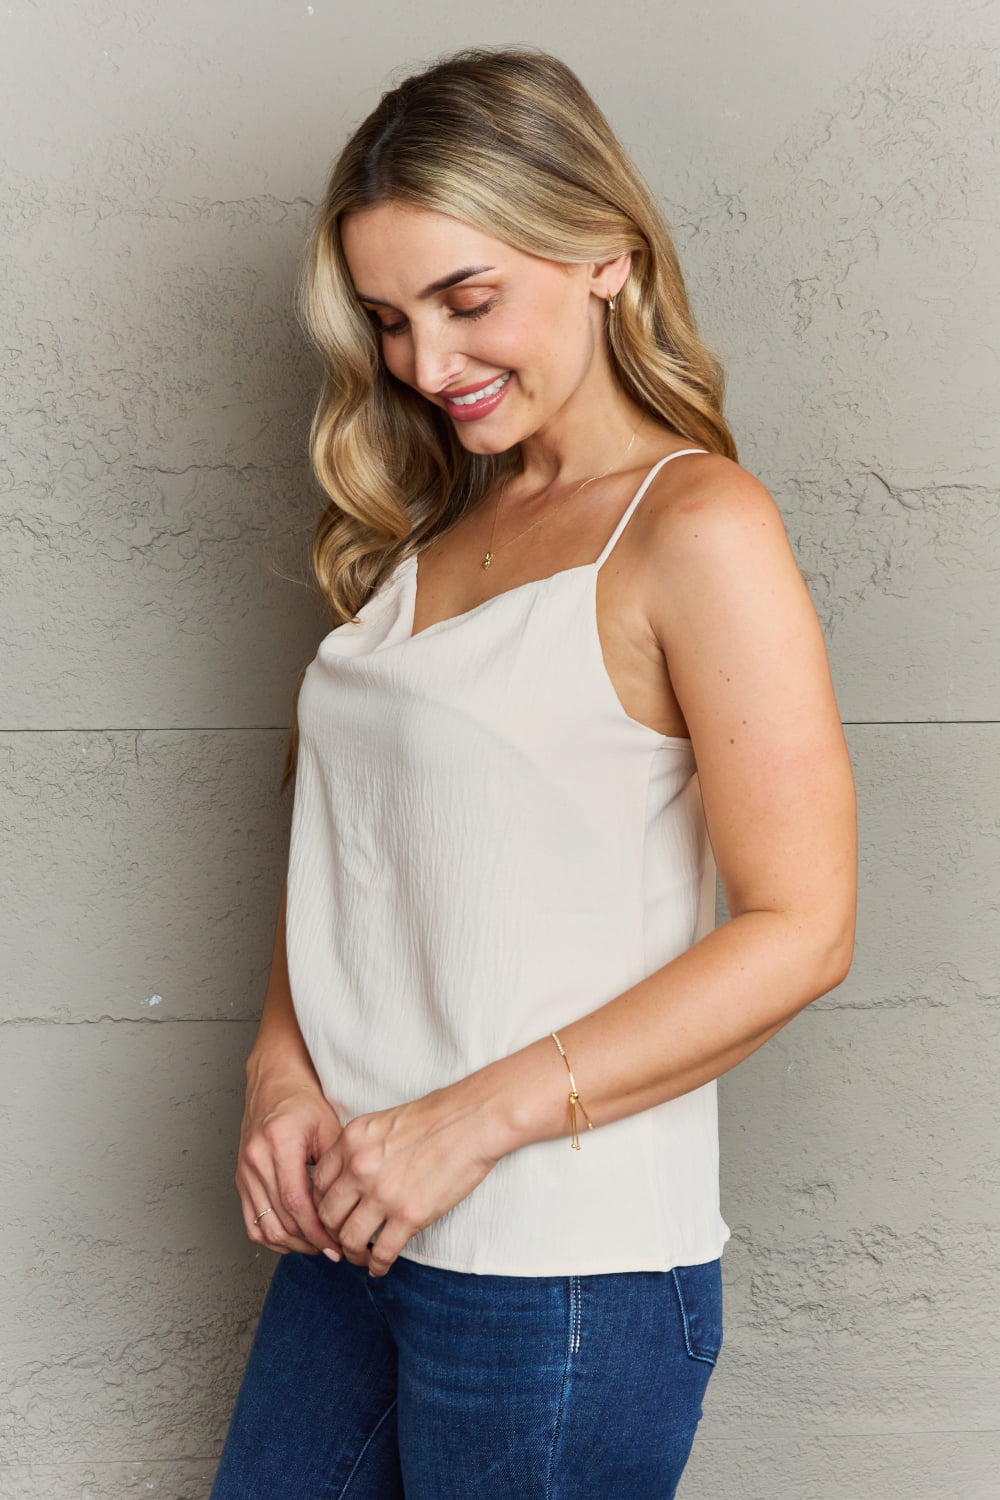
<point>638,496</point>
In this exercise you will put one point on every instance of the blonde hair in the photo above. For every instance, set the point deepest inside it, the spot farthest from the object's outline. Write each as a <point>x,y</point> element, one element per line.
<point>510,142</point>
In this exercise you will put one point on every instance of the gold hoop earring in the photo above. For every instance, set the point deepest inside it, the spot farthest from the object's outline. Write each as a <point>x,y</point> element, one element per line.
<point>611,304</point>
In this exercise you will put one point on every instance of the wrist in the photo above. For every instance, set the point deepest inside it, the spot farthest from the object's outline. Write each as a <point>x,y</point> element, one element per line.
<point>520,1099</point>
<point>274,1061</point>
<point>472,1109</point>
<point>279,1044</point>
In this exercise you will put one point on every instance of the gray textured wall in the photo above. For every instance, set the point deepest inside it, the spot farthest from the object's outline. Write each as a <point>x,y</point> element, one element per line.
<point>830,172</point>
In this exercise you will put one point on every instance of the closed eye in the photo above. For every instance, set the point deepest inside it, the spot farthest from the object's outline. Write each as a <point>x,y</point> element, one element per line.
<point>394,329</point>
<point>390,328</point>
<point>474,312</point>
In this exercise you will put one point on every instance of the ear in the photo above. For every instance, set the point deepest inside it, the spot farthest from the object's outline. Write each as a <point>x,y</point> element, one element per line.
<point>607,277</point>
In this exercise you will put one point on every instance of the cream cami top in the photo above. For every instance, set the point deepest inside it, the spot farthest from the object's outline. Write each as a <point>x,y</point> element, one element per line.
<point>486,846</point>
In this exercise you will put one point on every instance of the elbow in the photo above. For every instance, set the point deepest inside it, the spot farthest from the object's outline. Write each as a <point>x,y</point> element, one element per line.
<point>836,956</point>
<point>816,954</point>
<point>821,952</point>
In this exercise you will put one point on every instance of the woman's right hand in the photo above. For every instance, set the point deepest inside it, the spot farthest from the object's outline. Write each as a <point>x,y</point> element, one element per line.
<point>287,1125</point>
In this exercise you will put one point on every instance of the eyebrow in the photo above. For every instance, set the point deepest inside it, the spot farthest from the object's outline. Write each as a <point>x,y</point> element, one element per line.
<point>452,279</point>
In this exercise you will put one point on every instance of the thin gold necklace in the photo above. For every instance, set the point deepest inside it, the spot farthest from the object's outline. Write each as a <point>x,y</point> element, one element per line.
<point>488,557</point>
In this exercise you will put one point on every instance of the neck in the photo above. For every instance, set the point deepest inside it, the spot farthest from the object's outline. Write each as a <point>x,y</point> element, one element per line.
<point>589,434</point>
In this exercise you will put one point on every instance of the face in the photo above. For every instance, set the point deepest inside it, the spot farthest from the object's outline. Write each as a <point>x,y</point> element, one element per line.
<point>501,341</point>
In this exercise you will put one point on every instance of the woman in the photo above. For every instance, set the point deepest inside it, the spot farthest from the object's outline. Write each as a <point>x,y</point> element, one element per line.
<point>574,668</point>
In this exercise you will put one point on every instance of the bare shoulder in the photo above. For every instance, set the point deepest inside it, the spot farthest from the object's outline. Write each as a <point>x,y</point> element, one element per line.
<point>707,499</point>
<point>710,527</point>
<point>744,648</point>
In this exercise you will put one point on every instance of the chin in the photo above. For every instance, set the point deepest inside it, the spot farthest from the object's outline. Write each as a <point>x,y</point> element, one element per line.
<point>486,436</point>
<point>485,444</point>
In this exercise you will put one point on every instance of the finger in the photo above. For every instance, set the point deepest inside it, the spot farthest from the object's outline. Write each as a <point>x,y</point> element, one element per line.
<point>250,1193</point>
<point>359,1232</point>
<point>328,1132</point>
<point>277,1155</point>
<point>259,1193</point>
<point>327,1169</point>
<point>389,1244</point>
<point>337,1206</point>
<point>296,1200</point>
<point>302,1247</point>
<point>282,1241</point>
<point>262,1214</point>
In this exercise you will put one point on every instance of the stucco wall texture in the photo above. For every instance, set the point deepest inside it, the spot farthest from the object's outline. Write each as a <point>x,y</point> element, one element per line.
<point>830,172</point>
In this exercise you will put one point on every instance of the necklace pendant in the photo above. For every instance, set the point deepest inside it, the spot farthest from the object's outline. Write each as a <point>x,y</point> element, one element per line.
<point>487,559</point>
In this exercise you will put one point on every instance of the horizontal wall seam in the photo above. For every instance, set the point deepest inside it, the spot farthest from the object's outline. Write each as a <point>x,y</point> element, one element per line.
<point>13,1021</point>
<point>156,729</point>
<point>281,728</point>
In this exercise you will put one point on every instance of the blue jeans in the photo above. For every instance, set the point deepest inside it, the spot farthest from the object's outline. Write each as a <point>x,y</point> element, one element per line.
<point>443,1385</point>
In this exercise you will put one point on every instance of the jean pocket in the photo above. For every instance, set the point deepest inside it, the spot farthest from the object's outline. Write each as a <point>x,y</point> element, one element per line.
<point>699,1294</point>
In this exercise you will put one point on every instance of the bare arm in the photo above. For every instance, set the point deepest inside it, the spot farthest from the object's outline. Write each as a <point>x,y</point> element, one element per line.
<point>278,1045</point>
<point>749,668</point>
<point>287,1122</point>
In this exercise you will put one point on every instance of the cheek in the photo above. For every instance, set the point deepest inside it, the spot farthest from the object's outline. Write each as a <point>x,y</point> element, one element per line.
<point>561,353</point>
<point>533,344</point>
<point>560,335</point>
<point>397,358</point>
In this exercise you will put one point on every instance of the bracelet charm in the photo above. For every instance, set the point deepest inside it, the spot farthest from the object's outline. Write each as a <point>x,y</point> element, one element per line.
<point>575,1102</point>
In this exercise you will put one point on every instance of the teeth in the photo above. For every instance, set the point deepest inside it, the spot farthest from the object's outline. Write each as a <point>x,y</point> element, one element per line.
<point>487,390</point>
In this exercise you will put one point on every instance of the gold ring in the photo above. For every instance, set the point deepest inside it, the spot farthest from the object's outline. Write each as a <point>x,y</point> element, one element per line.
<point>263,1211</point>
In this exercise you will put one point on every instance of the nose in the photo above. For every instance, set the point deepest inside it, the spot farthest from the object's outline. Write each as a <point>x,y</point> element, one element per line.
<point>437,360</point>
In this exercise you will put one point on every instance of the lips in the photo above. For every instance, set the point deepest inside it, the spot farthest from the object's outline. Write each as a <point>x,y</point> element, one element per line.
<point>477,400</point>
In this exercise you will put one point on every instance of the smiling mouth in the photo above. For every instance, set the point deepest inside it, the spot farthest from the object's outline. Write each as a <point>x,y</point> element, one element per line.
<point>483,394</point>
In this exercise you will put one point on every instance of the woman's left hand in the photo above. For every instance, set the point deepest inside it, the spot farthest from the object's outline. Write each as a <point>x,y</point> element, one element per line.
<point>392,1173</point>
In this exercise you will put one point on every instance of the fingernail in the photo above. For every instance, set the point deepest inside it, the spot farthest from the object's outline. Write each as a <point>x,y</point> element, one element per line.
<point>332,1254</point>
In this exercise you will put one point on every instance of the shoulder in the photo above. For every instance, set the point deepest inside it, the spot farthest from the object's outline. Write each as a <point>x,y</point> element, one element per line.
<point>706,497</point>
<point>745,653</point>
<point>711,536</point>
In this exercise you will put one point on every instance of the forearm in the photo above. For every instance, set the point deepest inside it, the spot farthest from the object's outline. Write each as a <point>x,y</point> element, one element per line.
<point>683,1025</point>
<point>279,1047</point>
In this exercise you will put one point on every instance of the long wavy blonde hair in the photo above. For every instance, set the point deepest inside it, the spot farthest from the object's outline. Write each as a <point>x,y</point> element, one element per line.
<point>508,141</point>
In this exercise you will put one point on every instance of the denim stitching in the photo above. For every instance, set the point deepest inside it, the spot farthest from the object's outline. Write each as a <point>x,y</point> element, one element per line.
<point>576,1302</point>
<point>572,1344</point>
<point>368,1442</point>
<point>706,1358</point>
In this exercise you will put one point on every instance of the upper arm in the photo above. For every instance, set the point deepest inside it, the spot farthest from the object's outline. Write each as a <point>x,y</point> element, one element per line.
<point>748,664</point>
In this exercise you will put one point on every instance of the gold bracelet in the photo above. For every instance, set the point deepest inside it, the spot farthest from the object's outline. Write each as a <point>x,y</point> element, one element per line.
<point>574,1097</point>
